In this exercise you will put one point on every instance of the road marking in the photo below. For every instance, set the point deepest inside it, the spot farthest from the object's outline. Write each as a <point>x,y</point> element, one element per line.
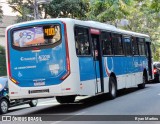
<point>63,120</point>
<point>80,113</point>
<point>56,122</point>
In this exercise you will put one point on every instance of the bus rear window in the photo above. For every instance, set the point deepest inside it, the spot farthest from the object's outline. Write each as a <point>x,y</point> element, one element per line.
<point>36,36</point>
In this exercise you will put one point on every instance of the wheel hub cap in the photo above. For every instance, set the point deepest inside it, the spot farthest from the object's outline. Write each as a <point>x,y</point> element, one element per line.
<point>4,106</point>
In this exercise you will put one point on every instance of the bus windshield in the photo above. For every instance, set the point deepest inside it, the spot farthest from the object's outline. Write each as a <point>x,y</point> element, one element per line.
<point>36,36</point>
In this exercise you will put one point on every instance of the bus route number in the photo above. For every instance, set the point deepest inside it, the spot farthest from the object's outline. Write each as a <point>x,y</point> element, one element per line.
<point>49,31</point>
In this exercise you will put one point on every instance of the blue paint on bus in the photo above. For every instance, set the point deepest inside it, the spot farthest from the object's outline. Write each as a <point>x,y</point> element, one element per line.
<point>119,65</point>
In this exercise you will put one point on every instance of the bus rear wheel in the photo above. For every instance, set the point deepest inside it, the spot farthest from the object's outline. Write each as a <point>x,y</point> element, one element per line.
<point>112,88</point>
<point>66,99</point>
<point>142,86</point>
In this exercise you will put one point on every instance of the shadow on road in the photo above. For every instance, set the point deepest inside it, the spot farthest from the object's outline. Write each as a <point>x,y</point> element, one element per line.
<point>82,104</point>
<point>153,82</point>
<point>17,109</point>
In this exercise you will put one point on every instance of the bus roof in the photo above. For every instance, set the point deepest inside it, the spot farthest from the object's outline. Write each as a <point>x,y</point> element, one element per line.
<point>93,24</point>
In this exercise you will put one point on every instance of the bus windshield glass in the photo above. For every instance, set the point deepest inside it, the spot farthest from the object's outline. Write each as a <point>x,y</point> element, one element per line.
<point>36,36</point>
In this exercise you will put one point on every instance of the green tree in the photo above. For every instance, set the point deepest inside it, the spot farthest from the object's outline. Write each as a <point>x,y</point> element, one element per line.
<point>67,8</point>
<point>1,13</point>
<point>3,70</point>
<point>156,51</point>
<point>142,18</point>
<point>25,9</point>
<point>108,10</point>
<point>145,20</point>
<point>56,8</point>
<point>156,5</point>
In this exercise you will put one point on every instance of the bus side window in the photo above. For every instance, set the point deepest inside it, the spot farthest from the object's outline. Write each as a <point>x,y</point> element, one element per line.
<point>117,44</point>
<point>82,41</point>
<point>106,42</point>
<point>134,46</point>
<point>127,45</point>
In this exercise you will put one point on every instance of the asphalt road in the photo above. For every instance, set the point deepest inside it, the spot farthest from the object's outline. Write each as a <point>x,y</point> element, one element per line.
<point>128,102</point>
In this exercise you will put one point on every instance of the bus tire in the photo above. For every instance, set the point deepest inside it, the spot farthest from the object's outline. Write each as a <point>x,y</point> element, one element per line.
<point>142,86</point>
<point>65,99</point>
<point>33,103</point>
<point>112,88</point>
<point>4,105</point>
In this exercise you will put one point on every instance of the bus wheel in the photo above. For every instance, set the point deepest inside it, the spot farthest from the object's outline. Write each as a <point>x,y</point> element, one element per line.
<point>33,103</point>
<point>65,99</point>
<point>4,105</point>
<point>141,86</point>
<point>112,88</point>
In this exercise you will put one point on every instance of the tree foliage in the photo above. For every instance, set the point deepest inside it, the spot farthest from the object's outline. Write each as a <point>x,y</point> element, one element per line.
<point>143,19</point>
<point>56,8</point>
<point>108,10</point>
<point>67,8</point>
<point>3,70</point>
<point>25,9</point>
<point>156,50</point>
<point>156,5</point>
<point>1,13</point>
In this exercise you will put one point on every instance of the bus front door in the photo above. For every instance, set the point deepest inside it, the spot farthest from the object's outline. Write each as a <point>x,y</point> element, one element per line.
<point>97,58</point>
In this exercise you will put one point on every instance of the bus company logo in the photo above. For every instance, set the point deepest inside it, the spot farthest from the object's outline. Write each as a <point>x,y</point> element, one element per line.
<point>44,57</point>
<point>28,59</point>
<point>109,65</point>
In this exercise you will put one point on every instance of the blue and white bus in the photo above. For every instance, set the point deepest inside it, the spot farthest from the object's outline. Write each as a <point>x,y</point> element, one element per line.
<point>66,58</point>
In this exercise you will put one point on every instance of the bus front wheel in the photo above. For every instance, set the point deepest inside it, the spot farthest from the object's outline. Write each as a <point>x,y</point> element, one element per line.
<point>4,105</point>
<point>65,99</point>
<point>112,88</point>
